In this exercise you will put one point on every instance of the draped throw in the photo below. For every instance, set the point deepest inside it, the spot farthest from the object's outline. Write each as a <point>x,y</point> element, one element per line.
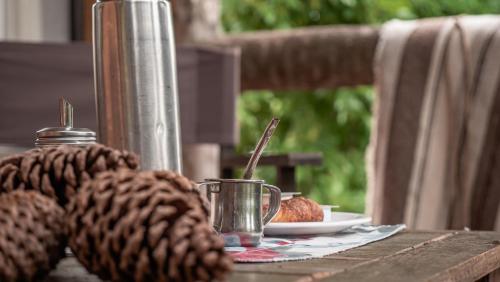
<point>434,156</point>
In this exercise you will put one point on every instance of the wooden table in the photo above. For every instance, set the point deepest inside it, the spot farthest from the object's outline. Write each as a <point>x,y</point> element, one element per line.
<point>408,256</point>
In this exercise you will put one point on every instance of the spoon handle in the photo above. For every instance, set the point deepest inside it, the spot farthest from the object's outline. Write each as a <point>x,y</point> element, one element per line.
<point>257,153</point>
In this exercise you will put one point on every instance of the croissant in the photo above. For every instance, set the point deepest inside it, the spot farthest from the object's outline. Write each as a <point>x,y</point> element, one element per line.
<point>299,209</point>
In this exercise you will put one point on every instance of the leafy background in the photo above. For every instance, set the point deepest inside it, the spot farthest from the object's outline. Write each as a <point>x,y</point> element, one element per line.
<point>335,122</point>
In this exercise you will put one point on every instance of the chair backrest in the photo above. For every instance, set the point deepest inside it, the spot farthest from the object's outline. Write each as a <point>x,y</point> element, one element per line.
<point>434,157</point>
<point>34,76</point>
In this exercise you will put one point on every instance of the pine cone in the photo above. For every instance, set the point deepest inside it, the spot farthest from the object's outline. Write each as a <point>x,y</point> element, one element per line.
<point>32,236</point>
<point>58,171</point>
<point>145,226</point>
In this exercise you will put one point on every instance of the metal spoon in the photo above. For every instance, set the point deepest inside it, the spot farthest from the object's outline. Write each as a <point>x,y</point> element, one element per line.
<point>257,153</point>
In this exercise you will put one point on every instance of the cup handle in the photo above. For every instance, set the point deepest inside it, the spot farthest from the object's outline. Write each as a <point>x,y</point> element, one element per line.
<point>274,202</point>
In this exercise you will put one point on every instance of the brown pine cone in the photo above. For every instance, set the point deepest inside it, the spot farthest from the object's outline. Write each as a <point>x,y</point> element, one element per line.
<point>145,226</point>
<point>32,235</point>
<point>58,171</point>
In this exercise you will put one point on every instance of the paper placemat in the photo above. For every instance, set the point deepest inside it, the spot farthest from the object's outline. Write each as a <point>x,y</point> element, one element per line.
<point>308,247</point>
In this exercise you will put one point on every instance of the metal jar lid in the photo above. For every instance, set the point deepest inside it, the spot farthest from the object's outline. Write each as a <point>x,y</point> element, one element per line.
<point>66,134</point>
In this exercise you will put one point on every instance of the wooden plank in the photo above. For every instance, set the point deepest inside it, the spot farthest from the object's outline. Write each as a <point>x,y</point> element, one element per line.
<point>416,256</point>
<point>463,256</point>
<point>339,262</point>
<point>307,267</point>
<point>395,244</point>
<point>487,263</point>
<point>260,277</point>
<point>69,269</point>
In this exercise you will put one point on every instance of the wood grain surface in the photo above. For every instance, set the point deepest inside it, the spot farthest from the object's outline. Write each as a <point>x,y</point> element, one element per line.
<point>408,256</point>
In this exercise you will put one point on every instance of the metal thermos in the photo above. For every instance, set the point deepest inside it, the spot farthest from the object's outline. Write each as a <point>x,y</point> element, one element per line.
<point>136,82</point>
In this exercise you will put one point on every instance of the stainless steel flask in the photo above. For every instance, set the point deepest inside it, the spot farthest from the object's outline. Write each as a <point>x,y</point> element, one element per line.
<point>135,80</point>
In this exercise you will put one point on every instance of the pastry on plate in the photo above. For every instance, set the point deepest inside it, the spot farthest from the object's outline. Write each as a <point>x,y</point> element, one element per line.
<point>299,209</point>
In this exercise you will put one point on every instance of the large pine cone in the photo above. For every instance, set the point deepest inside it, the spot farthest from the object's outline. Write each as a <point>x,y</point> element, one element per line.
<point>146,226</point>
<point>58,171</point>
<point>32,236</point>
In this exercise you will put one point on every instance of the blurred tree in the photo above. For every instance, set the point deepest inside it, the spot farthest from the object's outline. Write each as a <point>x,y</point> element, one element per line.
<point>427,8</point>
<point>243,15</point>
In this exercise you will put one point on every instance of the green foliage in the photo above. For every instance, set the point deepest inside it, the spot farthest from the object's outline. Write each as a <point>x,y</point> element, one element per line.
<point>388,9</point>
<point>427,8</point>
<point>241,15</point>
<point>336,123</point>
<point>333,122</point>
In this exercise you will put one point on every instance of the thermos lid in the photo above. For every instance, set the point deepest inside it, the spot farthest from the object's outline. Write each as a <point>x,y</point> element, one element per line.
<point>66,134</point>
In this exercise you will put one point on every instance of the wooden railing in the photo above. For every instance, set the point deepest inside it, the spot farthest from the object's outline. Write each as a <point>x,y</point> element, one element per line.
<point>306,58</point>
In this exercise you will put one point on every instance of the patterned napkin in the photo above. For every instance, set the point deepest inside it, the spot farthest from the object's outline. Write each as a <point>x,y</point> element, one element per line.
<point>308,247</point>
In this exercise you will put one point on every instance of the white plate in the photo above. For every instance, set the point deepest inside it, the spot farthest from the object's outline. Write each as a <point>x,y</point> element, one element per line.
<point>338,222</point>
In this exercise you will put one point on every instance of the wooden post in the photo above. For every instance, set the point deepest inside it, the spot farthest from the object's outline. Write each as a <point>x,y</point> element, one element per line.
<point>286,178</point>
<point>196,20</point>
<point>87,20</point>
<point>201,161</point>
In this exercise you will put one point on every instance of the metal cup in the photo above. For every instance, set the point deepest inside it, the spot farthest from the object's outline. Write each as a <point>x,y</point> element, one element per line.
<point>236,210</point>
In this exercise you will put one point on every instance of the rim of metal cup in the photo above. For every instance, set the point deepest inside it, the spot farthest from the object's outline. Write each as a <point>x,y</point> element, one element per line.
<point>222,180</point>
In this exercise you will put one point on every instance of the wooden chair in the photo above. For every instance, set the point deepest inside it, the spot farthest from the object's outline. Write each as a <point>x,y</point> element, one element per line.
<point>434,158</point>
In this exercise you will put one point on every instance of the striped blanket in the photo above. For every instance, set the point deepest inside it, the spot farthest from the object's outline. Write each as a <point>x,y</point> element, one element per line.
<point>434,156</point>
